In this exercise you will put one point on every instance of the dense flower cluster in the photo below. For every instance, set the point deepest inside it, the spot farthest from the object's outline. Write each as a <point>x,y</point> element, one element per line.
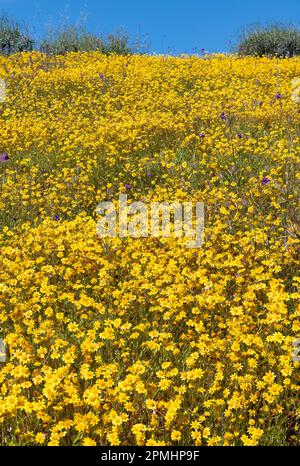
<point>141,341</point>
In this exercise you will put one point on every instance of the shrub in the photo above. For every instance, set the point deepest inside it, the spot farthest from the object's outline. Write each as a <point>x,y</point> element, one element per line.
<point>75,39</point>
<point>117,43</point>
<point>280,41</point>
<point>13,37</point>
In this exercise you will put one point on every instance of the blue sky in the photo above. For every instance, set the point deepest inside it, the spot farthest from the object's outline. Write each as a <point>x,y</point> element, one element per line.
<point>178,26</point>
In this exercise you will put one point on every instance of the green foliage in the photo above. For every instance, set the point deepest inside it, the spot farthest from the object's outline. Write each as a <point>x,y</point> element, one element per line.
<point>13,37</point>
<point>273,41</point>
<point>75,39</point>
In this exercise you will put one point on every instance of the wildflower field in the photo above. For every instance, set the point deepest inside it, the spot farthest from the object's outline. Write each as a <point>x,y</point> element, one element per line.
<point>143,341</point>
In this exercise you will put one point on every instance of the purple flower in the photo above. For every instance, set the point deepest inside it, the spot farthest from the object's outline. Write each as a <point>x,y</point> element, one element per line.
<point>101,76</point>
<point>278,95</point>
<point>201,135</point>
<point>4,157</point>
<point>265,180</point>
<point>128,186</point>
<point>240,135</point>
<point>223,116</point>
<point>149,174</point>
<point>56,217</point>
